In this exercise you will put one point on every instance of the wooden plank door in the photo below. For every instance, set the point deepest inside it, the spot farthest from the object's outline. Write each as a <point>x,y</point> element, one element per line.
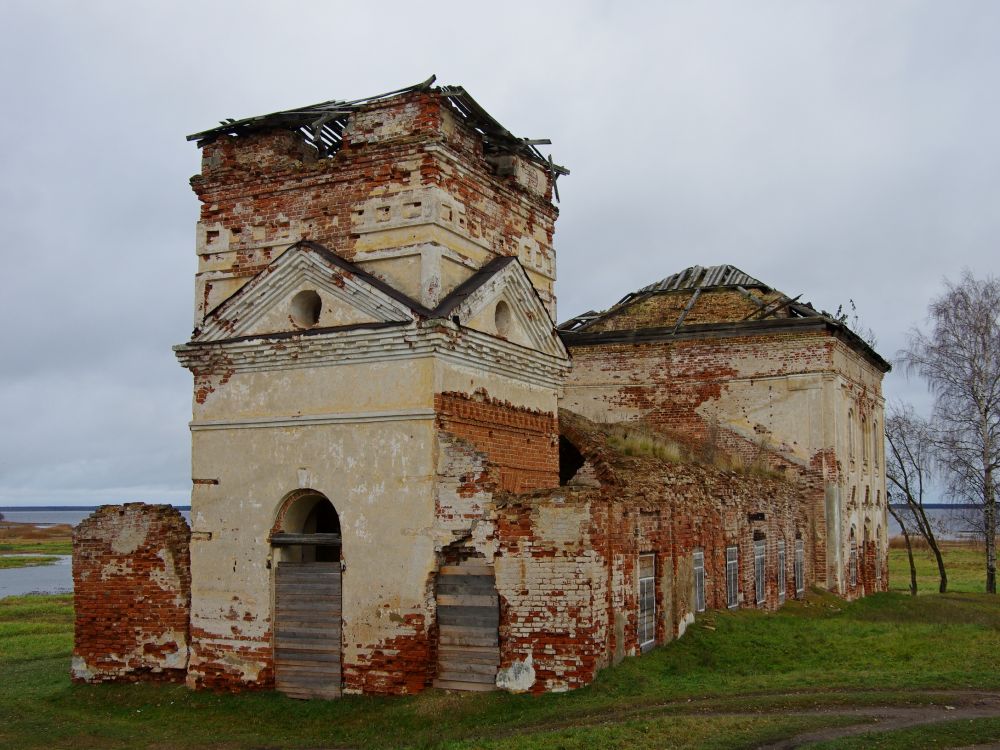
<point>468,613</point>
<point>307,629</point>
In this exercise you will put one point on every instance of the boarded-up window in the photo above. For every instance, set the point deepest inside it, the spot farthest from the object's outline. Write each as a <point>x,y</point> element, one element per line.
<point>781,571</point>
<point>854,566</point>
<point>760,582</point>
<point>732,577</point>
<point>699,581</point>
<point>647,601</point>
<point>800,567</point>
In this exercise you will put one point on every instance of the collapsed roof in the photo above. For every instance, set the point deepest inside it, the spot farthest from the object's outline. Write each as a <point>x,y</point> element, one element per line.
<point>777,313</point>
<point>322,125</point>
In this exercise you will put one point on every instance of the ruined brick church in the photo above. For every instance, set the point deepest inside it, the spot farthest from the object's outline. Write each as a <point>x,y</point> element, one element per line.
<point>406,475</point>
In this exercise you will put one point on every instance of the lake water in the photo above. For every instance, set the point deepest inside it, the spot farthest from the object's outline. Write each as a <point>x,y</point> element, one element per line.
<point>40,579</point>
<point>46,579</point>
<point>949,522</point>
<point>50,516</point>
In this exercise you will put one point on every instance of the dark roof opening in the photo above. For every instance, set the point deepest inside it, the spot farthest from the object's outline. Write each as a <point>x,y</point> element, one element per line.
<point>570,460</point>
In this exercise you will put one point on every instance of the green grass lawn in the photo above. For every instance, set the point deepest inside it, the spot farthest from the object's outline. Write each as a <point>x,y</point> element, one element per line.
<point>736,679</point>
<point>965,565</point>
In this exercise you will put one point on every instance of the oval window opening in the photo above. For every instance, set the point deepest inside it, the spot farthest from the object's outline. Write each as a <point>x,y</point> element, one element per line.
<point>502,318</point>
<point>306,307</point>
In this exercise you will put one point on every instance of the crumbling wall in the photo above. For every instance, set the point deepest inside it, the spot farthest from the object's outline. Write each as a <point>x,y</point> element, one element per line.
<point>567,566</point>
<point>408,178</point>
<point>553,592</point>
<point>521,444</point>
<point>132,594</point>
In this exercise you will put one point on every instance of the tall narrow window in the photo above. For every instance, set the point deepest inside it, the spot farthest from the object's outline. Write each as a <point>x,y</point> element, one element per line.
<point>876,439</point>
<point>759,556</point>
<point>699,581</point>
<point>854,565</point>
<point>864,440</point>
<point>878,556</point>
<point>781,571</point>
<point>850,433</point>
<point>800,567</point>
<point>732,577</point>
<point>647,601</point>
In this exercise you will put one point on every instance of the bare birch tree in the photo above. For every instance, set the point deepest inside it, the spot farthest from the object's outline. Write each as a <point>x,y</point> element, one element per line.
<point>908,470</point>
<point>960,359</point>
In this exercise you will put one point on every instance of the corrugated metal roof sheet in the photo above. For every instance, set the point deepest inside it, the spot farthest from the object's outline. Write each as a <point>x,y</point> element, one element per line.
<point>701,277</point>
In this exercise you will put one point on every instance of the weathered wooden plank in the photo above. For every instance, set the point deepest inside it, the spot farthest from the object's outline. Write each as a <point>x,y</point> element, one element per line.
<point>303,674</point>
<point>304,619</point>
<point>466,639</point>
<point>469,654</point>
<point>466,570</point>
<point>313,615</point>
<point>303,645</point>
<point>298,657</point>
<point>304,631</point>
<point>310,569</point>
<point>461,616</point>
<point>468,600</point>
<point>321,540</point>
<point>466,668</point>
<point>475,687</point>
<point>464,676</point>
<point>309,588</point>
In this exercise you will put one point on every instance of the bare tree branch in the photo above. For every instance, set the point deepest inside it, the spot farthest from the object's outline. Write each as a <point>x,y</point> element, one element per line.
<point>960,359</point>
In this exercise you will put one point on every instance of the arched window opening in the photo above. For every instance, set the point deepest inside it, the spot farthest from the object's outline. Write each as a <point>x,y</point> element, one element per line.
<point>850,433</point>
<point>876,443</point>
<point>308,529</point>
<point>864,439</point>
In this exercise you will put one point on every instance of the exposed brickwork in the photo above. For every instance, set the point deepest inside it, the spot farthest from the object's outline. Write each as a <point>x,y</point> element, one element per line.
<point>522,444</point>
<point>264,191</point>
<point>401,665</point>
<point>664,310</point>
<point>132,594</point>
<point>567,567</point>
<point>230,665</point>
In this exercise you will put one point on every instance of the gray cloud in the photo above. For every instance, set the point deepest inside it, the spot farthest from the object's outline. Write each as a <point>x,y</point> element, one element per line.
<point>837,150</point>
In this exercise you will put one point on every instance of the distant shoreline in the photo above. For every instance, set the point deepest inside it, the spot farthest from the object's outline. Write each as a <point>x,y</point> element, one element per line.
<point>28,508</point>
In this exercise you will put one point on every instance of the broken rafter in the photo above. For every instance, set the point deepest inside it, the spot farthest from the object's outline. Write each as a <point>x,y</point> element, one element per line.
<point>321,125</point>
<point>765,311</point>
<point>687,309</point>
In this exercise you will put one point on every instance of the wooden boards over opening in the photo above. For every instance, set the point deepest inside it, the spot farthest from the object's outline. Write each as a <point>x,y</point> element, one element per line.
<point>468,613</point>
<point>307,601</point>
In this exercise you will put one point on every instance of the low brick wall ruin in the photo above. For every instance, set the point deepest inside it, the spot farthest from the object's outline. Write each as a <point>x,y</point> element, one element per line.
<point>132,594</point>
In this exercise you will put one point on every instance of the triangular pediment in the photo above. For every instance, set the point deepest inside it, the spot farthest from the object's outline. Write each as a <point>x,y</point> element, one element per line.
<point>306,287</point>
<point>501,301</point>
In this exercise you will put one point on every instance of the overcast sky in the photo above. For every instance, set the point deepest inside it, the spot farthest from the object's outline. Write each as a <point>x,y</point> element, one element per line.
<point>838,150</point>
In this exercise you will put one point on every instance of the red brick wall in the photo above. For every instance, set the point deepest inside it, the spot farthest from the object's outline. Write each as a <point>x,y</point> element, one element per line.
<point>267,189</point>
<point>522,445</point>
<point>568,558</point>
<point>667,382</point>
<point>132,594</point>
<point>402,665</point>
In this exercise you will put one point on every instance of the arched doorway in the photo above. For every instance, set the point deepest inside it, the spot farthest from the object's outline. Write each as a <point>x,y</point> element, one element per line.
<point>307,597</point>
